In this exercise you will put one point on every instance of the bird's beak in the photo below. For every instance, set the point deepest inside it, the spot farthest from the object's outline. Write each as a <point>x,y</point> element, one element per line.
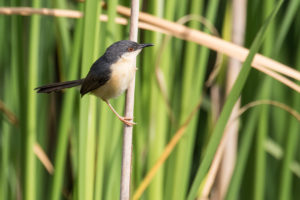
<point>145,45</point>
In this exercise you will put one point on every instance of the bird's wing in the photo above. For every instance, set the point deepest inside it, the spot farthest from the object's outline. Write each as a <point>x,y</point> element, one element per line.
<point>98,75</point>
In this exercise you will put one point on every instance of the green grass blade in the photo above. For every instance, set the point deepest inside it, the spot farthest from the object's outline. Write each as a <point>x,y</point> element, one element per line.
<point>85,181</point>
<point>291,11</point>
<point>192,78</point>
<point>286,176</point>
<point>30,186</point>
<point>231,99</point>
<point>63,36</point>
<point>108,121</point>
<point>158,125</point>
<point>66,116</point>
<point>244,150</point>
<point>263,128</point>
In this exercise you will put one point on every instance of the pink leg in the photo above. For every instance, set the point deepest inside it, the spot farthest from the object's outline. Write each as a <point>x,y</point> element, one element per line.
<point>125,120</point>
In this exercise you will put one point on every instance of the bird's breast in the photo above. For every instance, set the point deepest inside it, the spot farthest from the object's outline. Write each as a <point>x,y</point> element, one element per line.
<point>122,73</point>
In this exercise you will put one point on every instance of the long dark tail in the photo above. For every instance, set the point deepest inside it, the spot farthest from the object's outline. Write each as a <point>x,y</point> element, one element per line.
<point>55,87</point>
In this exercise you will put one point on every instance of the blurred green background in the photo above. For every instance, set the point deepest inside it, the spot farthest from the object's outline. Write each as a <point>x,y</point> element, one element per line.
<point>82,137</point>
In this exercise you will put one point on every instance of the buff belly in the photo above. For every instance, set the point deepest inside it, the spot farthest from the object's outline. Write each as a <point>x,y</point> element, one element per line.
<point>121,76</point>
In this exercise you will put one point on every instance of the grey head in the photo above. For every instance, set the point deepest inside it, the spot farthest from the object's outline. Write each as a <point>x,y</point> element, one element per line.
<point>123,47</point>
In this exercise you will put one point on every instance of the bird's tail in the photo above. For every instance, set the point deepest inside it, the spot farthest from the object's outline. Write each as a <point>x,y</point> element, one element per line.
<point>55,87</point>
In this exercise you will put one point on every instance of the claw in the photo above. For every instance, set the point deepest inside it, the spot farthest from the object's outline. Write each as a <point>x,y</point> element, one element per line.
<point>125,121</point>
<point>127,118</point>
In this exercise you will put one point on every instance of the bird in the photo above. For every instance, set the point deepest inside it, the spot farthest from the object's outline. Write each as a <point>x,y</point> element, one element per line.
<point>108,77</point>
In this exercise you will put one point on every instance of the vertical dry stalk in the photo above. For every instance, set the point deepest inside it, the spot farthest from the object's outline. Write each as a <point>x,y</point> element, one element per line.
<point>127,134</point>
<point>234,66</point>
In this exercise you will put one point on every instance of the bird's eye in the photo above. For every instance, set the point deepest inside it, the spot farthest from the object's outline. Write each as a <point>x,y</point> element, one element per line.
<point>130,49</point>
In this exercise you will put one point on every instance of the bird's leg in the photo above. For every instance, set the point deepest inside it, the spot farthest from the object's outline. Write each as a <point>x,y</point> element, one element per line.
<point>125,120</point>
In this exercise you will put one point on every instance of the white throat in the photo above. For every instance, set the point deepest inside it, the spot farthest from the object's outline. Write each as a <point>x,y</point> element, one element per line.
<point>131,55</point>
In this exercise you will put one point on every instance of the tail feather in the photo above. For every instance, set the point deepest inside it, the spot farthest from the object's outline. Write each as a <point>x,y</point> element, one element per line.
<point>55,87</point>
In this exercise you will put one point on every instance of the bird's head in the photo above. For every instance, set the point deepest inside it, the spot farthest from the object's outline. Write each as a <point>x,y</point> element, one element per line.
<point>125,49</point>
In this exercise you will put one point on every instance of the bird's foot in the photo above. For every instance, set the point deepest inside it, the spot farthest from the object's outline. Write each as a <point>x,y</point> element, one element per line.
<point>126,120</point>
